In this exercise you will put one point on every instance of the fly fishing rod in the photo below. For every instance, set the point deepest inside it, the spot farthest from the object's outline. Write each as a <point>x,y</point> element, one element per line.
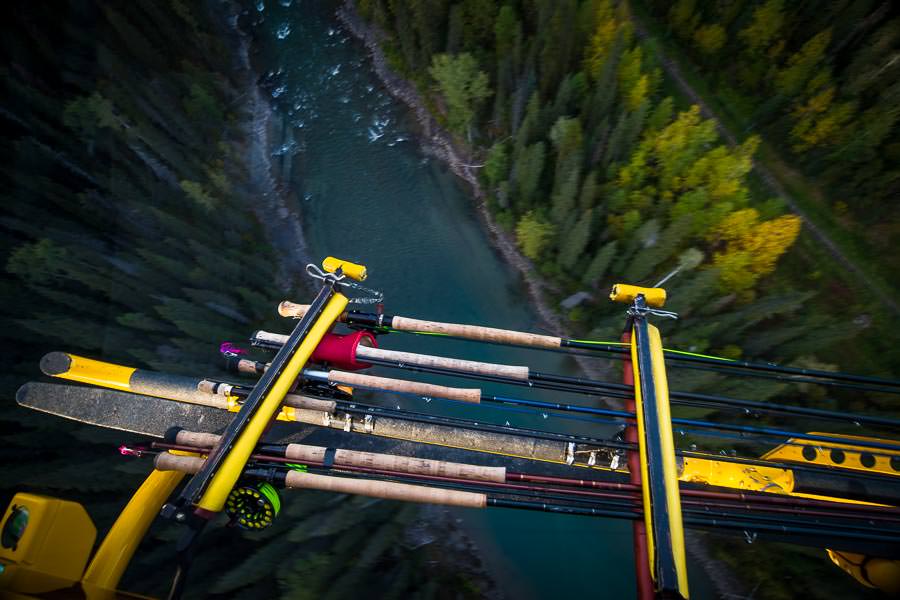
<point>362,355</point>
<point>376,321</point>
<point>598,415</point>
<point>439,470</point>
<point>394,485</point>
<point>873,522</point>
<point>875,525</point>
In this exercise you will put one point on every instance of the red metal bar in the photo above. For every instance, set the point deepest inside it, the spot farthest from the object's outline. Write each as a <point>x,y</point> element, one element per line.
<point>639,530</point>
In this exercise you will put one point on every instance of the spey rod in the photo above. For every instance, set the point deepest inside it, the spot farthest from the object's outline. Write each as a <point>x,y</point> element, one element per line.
<point>523,376</point>
<point>533,340</point>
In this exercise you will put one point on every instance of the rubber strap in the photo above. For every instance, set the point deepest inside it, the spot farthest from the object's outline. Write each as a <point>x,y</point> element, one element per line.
<point>328,458</point>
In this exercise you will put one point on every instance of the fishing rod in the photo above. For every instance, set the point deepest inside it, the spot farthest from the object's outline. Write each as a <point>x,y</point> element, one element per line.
<point>619,351</point>
<point>521,376</point>
<point>389,464</point>
<point>599,415</point>
<point>401,387</point>
<point>393,464</point>
<point>476,495</point>
<point>488,484</point>
<point>364,355</point>
<point>889,492</point>
<point>846,512</point>
<point>376,321</point>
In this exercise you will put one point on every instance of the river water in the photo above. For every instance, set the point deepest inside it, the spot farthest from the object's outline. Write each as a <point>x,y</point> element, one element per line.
<point>367,193</point>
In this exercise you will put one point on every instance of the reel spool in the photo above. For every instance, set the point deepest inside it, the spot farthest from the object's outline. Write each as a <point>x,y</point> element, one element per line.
<point>253,507</point>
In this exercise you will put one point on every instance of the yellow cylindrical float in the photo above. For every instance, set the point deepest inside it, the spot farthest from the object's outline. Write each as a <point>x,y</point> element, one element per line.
<point>351,270</point>
<point>653,297</point>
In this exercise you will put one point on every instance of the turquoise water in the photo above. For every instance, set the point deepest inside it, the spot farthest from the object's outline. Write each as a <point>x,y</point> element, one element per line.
<point>368,193</point>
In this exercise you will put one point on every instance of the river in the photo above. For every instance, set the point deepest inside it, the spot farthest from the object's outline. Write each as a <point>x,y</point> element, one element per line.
<point>367,193</point>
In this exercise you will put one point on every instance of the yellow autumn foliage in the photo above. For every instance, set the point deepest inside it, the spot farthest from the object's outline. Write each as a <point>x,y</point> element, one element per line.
<point>749,248</point>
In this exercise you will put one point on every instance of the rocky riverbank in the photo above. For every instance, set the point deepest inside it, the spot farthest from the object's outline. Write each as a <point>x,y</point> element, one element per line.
<point>275,207</point>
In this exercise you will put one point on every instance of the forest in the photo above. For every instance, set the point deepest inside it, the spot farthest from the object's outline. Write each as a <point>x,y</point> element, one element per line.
<point>602,171</point>
<point>600,166</point>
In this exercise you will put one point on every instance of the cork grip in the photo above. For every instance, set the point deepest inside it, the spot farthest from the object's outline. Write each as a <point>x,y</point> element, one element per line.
<point>476,332</point>
<point>406,387</point>
<point>221,400</point>
<point>290,309</point>
<point>297,311</point>
<point>371,460</point>
<point>363,487</point>
<point>469,332</point>
<point>175,462</point>
<point>297,401</point>
<point>404,464</point>
<point>385,489</point>
<point>196,439</point>
<point>455,364</point>
<point>425,360</point>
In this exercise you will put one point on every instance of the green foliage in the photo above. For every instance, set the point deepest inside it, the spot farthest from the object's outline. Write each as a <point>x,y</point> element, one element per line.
<point>463,86</point>
<point>661,115</point>
<point>634,83</point>
<point>528,169</point>
<point>196,193</point>
<point>801,66</point>
<point>563,202</point>
<point>601,261</point>
<point>202,104</point>
<point>37,262</point>
<point>533,235</point>
<point>683,18</point>
<point>765,27</point>
<point>89,114</point>
<point>576,241</point>
<point>709,39</point>
<point>506,29</point>
<point>613,26</point>
<point>497,164</point>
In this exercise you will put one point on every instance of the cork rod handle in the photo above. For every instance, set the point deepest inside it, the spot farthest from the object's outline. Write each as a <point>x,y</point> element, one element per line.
<point>469,332</point>
<point>371,460</point>
<point>472,395</point>
<point>388,490</point>
<point>442,362</point>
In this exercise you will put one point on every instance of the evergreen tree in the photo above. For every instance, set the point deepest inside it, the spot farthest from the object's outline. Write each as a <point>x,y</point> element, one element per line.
<point>576,241</point>
<point>463,86</point>
<point>534,235</point>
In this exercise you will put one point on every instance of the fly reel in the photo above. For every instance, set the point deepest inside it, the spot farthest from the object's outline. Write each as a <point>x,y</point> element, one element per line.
<point>253,507</point>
